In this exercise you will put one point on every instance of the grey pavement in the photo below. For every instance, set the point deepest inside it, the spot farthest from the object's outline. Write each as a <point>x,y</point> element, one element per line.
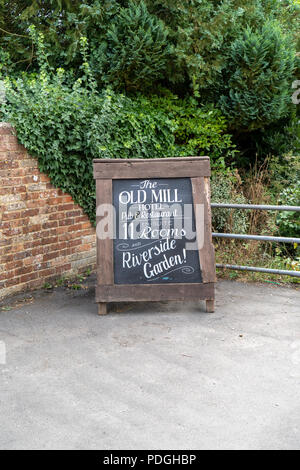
<point>152,375</point>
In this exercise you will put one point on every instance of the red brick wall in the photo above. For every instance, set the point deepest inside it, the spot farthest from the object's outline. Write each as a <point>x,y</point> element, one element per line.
<point>43,233</point>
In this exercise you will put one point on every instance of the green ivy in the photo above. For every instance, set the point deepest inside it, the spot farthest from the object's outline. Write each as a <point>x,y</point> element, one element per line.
<point>66,128</point>
<point>67,125</point>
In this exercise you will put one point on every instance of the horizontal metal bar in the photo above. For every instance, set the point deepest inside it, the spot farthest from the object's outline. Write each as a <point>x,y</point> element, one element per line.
<point>257,237</point>
<point>256,207</point>
<point>259,270</point>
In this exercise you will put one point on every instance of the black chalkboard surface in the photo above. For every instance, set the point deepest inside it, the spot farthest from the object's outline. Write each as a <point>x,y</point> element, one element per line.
<point>155,227</point>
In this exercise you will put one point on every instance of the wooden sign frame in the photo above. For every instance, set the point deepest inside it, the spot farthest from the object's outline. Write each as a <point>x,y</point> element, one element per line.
<point>197,169</point>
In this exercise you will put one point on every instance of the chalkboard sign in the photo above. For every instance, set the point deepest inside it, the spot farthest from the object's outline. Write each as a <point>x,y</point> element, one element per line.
<point>154,222</point>
<point>154,239</point>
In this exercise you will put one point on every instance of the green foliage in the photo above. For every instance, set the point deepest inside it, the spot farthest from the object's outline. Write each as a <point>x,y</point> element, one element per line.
<point>160,126</point>
<point>204,30</point>
<point>230,53</point>
<point>201,31</point>
<point>284,172</point>
<point>67,125</point>
<point>135,50</point>
<point>278,139</point>
<point>199,130</point>
<point>126,128</point>
<point>260,69</point>
<point>5,62</point>
<point>289,222</point>
<point>223,190</point>
<point>51,124</point>
<point>53,18</point>
<point>66,128</point>
<point>203,131</point>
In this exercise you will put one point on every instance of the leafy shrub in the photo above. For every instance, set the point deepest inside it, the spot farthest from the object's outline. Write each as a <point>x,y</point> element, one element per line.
<point>135,50</point>
<point>278,139</point>
<point>65,128</point>
<point>284,171</point>
<point>198,130</point>
<point>124,127</point>
<point>203,32</point>
<point>261,67</point>
<point>288,223</point>
<point>67,125</point>
<point>195,48</point>
<point>223,190</point>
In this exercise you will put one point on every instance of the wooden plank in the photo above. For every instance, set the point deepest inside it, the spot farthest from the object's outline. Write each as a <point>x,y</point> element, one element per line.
<point>201,195</point>
<point>210,306</point>
<point>105,272</point>
<point>154,292</point>
<point>102,309</point>
<point>153,168</point>
<point>149,161</point>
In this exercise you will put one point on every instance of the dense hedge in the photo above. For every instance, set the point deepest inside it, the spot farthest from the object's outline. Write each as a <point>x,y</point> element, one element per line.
<point>66,127</point>
<point>231,53</point>
<point>260,71</point>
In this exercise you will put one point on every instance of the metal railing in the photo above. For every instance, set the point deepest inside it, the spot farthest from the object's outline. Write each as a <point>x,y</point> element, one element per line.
<point>257,237</point>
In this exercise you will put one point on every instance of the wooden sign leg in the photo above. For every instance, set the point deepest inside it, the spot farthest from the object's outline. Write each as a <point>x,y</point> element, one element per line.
<point>210,306</point>
<point>104,246</point>
<point>102,309</point>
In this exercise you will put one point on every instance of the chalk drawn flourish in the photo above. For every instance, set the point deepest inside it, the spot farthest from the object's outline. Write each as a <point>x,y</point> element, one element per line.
<point>125,246</point>
<point>184,270</point>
